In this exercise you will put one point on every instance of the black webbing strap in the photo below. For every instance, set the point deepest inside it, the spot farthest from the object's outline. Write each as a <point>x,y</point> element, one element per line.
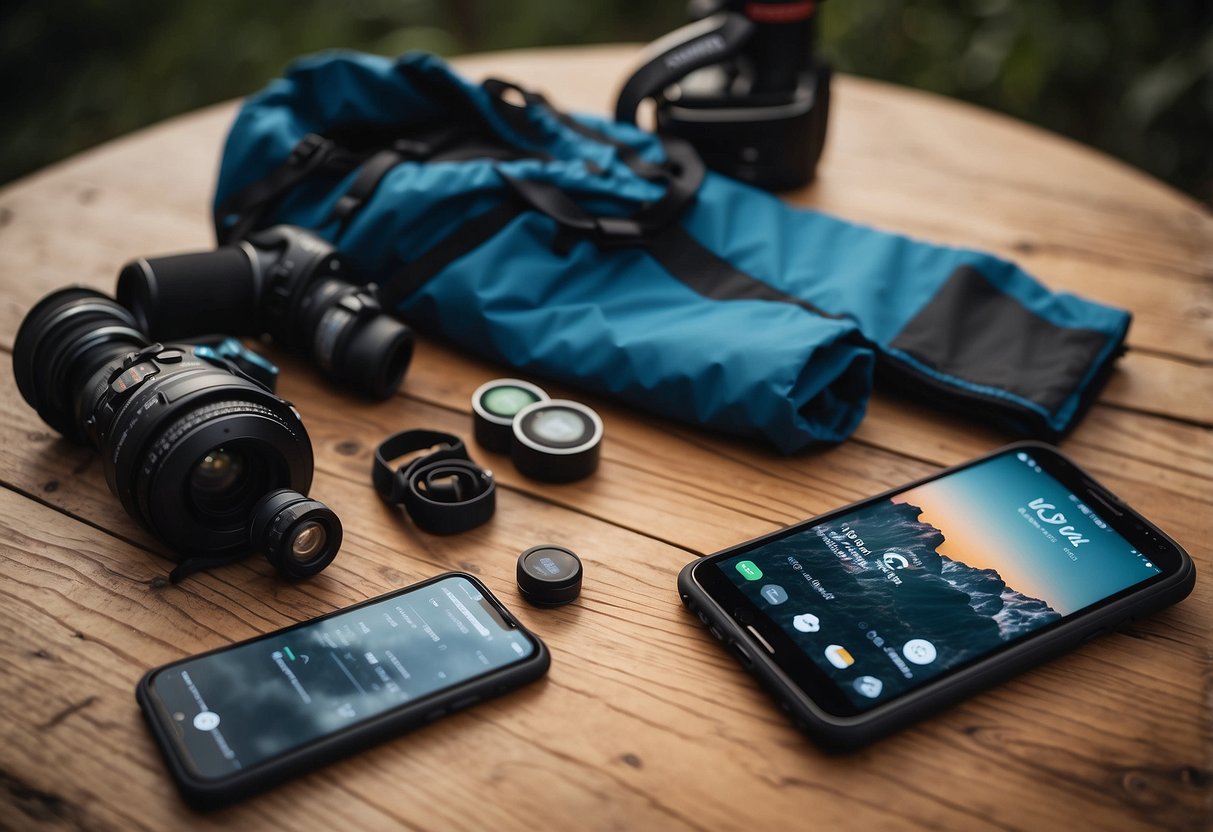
<point>443,490</point>
<point>684,173</point>
<point>448,142</point>
<point>464,239</point>
<point>708,274</point>
<point>313,153</point>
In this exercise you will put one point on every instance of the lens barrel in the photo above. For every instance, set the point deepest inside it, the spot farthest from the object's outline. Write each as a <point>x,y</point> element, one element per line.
<point>186,295</point>
<point>62,342</point>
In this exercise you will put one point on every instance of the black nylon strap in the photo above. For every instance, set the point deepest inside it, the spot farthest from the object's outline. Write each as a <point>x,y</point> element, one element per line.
<point>464,239</point>
<point>312,153</point>
<point>711,276</point>
<point>364,184</point>
<point>443,491</point>
<point>684,172</point>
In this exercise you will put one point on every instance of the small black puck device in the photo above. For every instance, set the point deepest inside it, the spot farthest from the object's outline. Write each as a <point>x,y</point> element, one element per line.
<point>556,441</point>
<point>494,406</point>
<point>549,576</point>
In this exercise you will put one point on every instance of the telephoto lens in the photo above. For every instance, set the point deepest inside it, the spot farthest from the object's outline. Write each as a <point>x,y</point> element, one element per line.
<point>284,282</point>
<point>190,443</point>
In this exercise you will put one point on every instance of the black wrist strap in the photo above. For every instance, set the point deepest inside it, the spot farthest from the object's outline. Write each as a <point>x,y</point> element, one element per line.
<point>443,491</point>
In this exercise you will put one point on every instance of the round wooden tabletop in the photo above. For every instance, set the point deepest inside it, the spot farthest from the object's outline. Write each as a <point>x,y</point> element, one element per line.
<point>643,722</point>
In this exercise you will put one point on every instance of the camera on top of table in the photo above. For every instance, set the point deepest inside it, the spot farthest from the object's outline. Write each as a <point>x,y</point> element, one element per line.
<point>742,85</point>
<point>285,282</point>
<point>193,440</point>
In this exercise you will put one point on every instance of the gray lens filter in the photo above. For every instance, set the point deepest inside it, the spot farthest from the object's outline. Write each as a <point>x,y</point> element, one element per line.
<point>556,440</point>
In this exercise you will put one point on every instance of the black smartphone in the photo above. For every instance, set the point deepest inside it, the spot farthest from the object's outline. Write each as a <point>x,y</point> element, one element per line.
<point>863,619</point>
<point>242,718</point>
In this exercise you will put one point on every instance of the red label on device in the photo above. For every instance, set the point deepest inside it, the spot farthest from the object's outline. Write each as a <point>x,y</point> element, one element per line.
<point>780,12</point>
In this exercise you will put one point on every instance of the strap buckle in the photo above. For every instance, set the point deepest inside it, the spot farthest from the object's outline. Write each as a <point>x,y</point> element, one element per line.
<point>615,232</point>
<point>307,148</point>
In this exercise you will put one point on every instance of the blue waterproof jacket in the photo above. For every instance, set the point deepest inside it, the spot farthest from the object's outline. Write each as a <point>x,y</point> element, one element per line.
<point>594,253</point>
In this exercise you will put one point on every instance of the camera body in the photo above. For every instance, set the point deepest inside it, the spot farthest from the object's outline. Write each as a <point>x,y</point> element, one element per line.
<point>284,282</point>
<point>195,447</point>
<point>743,86</point>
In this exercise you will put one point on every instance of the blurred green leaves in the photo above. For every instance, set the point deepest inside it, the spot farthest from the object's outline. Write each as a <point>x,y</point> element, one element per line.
<point>1132,77</point>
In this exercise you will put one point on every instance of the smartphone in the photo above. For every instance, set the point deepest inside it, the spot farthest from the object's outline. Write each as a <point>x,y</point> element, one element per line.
<point>866,618</point>
<point>242,718</point>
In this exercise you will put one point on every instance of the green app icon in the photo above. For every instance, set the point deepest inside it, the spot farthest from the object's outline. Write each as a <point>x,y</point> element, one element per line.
<point>749,570</point>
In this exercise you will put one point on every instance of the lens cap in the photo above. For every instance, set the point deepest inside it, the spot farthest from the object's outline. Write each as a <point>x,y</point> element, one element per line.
<point>494,406</point>
<point>549,576</point>
<point>556,441</point>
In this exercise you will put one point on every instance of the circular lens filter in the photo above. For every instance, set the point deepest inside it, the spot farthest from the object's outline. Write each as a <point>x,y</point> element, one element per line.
<point>556,440</point>
<point>494,405</point>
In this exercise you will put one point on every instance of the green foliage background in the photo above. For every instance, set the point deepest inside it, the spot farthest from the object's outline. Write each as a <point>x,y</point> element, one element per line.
<point>1133,77</point>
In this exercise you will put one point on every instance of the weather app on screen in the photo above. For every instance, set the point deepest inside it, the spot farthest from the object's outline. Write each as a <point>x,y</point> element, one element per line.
<point>243,705</point>
<point>894,593</point>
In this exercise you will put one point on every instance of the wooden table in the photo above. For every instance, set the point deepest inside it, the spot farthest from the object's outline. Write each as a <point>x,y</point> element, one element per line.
<point>644,722</point>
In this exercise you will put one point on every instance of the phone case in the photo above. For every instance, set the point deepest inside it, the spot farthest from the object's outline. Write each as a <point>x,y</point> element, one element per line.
<point>206,794</point>
<point>836,733</point>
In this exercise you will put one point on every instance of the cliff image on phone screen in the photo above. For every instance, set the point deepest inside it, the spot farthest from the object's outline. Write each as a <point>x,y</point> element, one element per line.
<point>902,589</point>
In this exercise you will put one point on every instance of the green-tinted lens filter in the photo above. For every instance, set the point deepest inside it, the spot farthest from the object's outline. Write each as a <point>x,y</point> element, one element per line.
<point>494,405</point>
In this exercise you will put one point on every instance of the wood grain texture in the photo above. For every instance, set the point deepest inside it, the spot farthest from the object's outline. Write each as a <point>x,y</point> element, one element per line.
<point>643,722</point>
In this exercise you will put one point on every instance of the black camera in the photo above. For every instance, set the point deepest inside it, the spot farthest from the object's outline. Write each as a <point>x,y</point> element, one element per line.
<point>743,86</point>
<point>198,450</point>
<point>285,282</point>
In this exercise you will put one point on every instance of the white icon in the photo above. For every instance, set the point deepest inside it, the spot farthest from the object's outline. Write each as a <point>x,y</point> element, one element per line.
<point>276,655</point>
<point>869,686</point>
<point>806,622</point>
<point>774,593</point>
<point>895,561</point>
<point>346,710</point>
<point>206,721</point>
<point>839,656</point>
<point>306,658</point>
<point>919,651</point>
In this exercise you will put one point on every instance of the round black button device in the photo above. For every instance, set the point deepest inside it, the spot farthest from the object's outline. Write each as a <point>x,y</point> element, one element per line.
<point>549,576</point>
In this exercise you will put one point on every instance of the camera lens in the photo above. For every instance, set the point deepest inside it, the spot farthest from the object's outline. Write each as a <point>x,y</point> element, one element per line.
<point>299,535</point>
<point>65,340</point>
<point>216,473</point>
<point>354,341</point>
<point>309,540</point>
<point>225,483</point>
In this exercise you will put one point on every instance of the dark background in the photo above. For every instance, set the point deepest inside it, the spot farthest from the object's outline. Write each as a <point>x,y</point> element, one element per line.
<point>1131,77</point>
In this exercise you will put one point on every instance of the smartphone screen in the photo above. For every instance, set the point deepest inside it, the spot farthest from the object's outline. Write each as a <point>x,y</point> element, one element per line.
<point>245,704</point>
<point>882,598</point>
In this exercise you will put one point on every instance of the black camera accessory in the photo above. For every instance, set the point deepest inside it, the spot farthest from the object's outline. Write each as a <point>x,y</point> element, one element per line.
<point>189,441</point>
<point>300,536</point>
<point>494,406</point>
<point>443,491</point>
<point>743,86</point>
<point>283,281</point>
<point>556,440</point>
<point>549,576</point>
